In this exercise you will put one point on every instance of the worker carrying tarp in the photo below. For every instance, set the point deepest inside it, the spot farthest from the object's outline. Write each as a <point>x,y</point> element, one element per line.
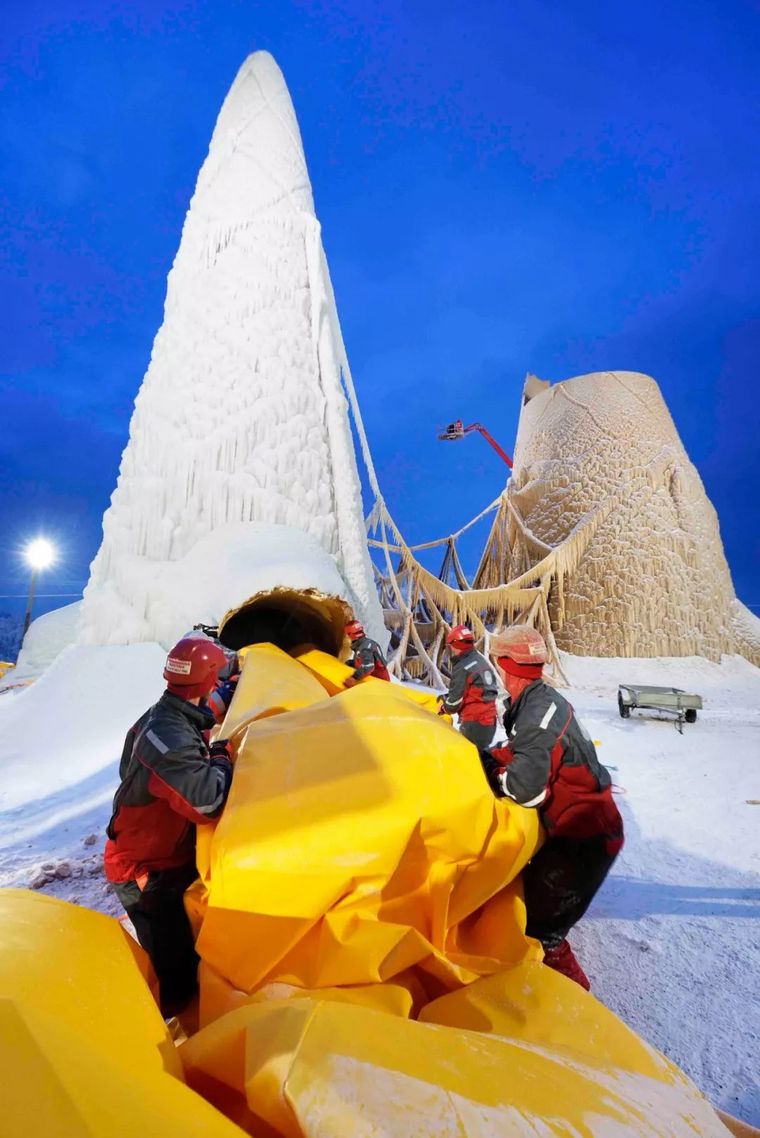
<point>171,781</point>
<point>549,762</point>
<point>473,688</point>
<point>366,655</point>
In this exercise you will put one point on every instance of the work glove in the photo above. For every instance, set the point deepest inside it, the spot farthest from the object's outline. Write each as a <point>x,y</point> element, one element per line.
<point>351,682</point>
<point>220,750</point>
<point>441,706</point>
<point>220,760</point>
<point>493,770</point>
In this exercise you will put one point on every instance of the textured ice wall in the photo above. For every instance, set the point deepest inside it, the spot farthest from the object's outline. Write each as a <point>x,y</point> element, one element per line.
<point>241,416</point>
<point>654,580</point>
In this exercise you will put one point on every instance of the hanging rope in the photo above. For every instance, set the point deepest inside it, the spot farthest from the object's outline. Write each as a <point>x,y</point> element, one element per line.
<point>519,576</point>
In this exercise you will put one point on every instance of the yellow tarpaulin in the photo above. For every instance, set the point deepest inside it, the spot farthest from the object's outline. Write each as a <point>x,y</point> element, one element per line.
<point>365,971</point>
<point>360,840</point>
<point>309,1069</point>
<point>270,682</point>
<point>83,1048</point>
<point>332,674</point>
<point>364,963</point>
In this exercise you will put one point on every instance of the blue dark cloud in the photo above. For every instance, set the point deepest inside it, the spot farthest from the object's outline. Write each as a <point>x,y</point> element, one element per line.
<point>534,186</point>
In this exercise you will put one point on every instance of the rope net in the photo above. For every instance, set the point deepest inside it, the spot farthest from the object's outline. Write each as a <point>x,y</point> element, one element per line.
<point>518,579</point>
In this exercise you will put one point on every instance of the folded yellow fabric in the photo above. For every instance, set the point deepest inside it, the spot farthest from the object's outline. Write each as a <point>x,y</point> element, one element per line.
<point>83,1048</point>
<point>359,840</point>
<point>305,1069</point>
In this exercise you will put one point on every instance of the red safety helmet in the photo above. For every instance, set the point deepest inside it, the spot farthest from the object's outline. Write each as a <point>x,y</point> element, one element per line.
<point>460,638</point>
<point>520,650</point>
<point>192,667</point>
<point>354,629</point>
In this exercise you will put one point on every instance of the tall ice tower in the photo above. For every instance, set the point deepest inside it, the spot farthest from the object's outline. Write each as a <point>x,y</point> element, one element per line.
<point>241,417</point>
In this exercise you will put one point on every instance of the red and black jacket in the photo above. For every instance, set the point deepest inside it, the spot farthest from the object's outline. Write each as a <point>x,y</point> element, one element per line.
<point>473,689</point>
<point>367,659</point>
<point>549,762</point>
<point>168,786</point>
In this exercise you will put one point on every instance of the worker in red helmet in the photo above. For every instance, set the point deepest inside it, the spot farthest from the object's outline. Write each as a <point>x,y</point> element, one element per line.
<point>219,700</point>
<point>171,782</point>
<point>366,655</point>
<point>549,763</point>
<point>473,688</point>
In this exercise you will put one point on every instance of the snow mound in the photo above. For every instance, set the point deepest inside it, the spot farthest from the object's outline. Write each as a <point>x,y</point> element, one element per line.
<point>221,571</point>
<point>68,728</point>
<point>46,638</point>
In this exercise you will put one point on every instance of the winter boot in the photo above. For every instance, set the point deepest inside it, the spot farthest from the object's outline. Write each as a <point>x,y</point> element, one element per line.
<point>562,959</point>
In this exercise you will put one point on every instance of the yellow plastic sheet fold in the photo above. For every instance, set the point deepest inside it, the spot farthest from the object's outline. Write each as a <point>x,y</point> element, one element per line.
<point>360,840</point>
<point>83,1048</point>
<point>365,970</point>
<point>332,674</point>
<point>270,682</point>
<point>306,1069</point>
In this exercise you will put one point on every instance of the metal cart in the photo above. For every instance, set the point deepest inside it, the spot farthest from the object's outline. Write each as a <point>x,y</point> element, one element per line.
<point>684,705</point>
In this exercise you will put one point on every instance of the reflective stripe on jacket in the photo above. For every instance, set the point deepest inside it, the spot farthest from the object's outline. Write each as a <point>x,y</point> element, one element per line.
<point>551,763</point>
<point>473,688</point>
<point>168,787</point>
<point>367,659</point>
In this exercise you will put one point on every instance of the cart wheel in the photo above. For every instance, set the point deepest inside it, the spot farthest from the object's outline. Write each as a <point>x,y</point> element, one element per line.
<point>623,708</point>
<point>690,715</point>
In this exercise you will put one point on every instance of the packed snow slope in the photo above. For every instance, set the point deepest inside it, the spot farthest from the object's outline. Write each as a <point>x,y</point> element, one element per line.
<point>672,943</point>
<point>46,638</point>
<point>241,416</point>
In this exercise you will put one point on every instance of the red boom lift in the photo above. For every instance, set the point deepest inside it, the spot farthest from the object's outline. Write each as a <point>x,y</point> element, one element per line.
<point>457,430</point>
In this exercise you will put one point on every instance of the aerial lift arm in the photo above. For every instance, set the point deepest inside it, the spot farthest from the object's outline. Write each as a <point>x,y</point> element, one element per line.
<point>457,430</point>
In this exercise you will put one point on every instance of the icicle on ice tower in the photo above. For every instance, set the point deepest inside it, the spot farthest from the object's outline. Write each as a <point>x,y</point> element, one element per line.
<point>241,417</point>
<point>653,579</point>
<point>240,475</point>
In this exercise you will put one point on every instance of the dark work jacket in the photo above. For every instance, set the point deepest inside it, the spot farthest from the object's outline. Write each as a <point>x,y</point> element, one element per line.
<point>168,786</point>
<point>473,688</point>
<point>549,762</point>
<point>367,659</point>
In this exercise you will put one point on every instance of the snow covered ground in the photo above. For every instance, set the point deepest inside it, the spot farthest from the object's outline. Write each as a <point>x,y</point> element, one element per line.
<point>672,943</point>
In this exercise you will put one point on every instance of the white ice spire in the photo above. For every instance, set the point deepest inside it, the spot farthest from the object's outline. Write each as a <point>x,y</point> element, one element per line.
<point>241,416</point>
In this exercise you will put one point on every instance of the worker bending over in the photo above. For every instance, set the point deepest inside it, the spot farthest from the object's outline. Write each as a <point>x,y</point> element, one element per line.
<point>366,656</point>
<point>171,782</point>
<point>550,763</point>
<point>473,688</point>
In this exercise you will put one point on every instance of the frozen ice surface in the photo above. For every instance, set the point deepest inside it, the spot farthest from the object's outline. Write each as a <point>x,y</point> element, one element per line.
<point>242,415</point>
<point>654,580</point>
<point>219,572</point>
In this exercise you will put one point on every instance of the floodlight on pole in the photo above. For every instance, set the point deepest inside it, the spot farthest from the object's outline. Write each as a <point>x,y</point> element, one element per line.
<point>39,554</point>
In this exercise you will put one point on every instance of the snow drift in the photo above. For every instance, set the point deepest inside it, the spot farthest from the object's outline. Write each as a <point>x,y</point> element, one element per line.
<point>46,638</point>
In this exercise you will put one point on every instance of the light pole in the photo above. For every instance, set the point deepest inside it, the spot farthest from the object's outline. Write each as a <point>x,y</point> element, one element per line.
<point>39,554</point>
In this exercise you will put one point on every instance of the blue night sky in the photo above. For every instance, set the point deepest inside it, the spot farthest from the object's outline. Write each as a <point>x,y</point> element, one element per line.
<point>507,186</point>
